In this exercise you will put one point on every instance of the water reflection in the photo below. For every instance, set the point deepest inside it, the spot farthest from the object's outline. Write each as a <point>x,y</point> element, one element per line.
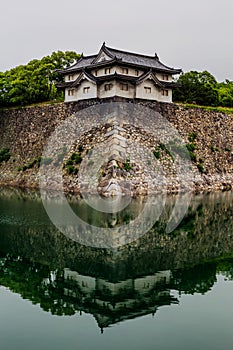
<point>114,285</point>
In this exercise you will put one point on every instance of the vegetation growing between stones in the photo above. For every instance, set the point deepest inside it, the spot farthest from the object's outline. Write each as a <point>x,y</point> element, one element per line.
<point>35,162</point>
<point>127,166</point>
<point>4,155</point>
<point>162,147</point>
<point>185,151</point>
<point>73,162</point>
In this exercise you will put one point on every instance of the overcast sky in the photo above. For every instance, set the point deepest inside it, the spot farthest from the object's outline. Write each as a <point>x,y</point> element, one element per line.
<point>192,35</point>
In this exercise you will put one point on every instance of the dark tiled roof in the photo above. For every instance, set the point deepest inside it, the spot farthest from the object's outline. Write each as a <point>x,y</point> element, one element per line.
<point>153,77</point>
<point>140,60</point>
<point>81,63</point>
<point>97,80</point>
<point>123,57</point>
<point>116,76</point>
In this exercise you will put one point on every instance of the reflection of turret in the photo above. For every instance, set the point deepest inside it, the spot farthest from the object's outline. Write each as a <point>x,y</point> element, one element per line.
<point>114,302</point>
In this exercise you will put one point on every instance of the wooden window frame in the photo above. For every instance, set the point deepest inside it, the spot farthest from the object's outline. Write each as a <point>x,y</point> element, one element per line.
<point>165,77</point>
<point>165,92</point>
<point>124,70</point>
<point>70,92</point>
<point>107,71</point>
<point>148,90</point>
<point>86,89</point>
<point>124,87</point>
<point>108,87</point>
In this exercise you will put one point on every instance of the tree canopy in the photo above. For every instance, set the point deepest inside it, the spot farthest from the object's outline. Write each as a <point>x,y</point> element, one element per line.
<point>197,87</point>
<point>203,89</point>
<point>34,82</point>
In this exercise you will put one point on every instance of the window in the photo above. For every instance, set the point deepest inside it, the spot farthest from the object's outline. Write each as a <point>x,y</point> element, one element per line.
<point>124,70</point>
<point>86,89</point>
<point>96,73</point>
<point>107,70</point>
<point>165,92</point>
<point>107,87</point>
<point>147,90</point>
<point>165,77</point>
<point>71,92</point>
<point>124,87</point>
<point>136,72</point>
<point>70,77</point>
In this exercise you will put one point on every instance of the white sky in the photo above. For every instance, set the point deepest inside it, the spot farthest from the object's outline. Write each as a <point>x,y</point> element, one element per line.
<point>192,35</point>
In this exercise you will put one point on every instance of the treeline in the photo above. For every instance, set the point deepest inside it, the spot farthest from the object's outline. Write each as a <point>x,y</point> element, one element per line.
<point>34,82</point>
<point>203,89</point>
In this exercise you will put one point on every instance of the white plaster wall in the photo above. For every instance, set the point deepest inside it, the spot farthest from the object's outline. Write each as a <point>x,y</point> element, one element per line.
<point>128,94</point>
<point>131,71</point>
<point>117,69</point>
<point>141,92</point>
<point>160,76</point>
<point>103,57</point>
<point>75,76</point>
<point>70,98</point>
<point>116,90</point>
<point>92,93</point>
<point>110,93</point>
<point>133,92</point>
<point>166,98</point>
<point>101,71</point>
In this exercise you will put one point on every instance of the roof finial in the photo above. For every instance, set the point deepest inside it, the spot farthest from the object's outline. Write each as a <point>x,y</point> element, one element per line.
<point>104,43</point>
<point>156,56</point>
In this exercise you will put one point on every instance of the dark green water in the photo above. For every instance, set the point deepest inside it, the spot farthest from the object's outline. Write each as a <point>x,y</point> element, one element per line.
<point>163,291</point>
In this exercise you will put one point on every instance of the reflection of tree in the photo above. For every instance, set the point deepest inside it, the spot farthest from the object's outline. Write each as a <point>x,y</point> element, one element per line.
<point>198,279</point>
<point>225,267</point>
<point>60,294</point>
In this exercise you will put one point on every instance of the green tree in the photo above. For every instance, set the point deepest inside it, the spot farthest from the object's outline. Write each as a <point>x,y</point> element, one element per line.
<point>36,81</point>
<point>225,92</point>
<point>197,87</point>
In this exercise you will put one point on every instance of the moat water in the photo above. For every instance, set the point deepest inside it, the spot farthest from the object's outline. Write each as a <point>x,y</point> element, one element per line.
<point>164,290</point>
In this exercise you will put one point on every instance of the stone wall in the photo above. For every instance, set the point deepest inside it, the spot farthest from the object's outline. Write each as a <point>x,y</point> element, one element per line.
<point>25,132</point>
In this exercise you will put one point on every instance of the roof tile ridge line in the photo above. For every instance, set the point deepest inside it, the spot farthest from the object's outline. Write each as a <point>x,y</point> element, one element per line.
<point>171,68</point>
<point>89,56</point>
<point>89,75</point>
<point>104,49</point>
<point>156,58</point>
<point>133,53</point>
<point>74,64</point>
<point>105,62</point>
<point>146,74</point>
<point>79,78</point>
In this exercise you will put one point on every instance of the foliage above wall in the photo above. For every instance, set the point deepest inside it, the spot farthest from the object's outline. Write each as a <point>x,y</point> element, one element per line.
<point>203,89</point>
<point>34,82</point>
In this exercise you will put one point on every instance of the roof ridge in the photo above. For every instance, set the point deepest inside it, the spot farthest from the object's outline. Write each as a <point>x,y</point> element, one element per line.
<point>89,56</point>
<point>133,53</point>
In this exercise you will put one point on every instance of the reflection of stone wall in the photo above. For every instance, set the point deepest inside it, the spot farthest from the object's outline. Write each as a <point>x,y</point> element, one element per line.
<point>205,233</point>
<point>26,130</point>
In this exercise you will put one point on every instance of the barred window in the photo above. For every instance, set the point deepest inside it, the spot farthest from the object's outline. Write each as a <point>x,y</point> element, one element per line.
<point>86,89</point>
<point>107,87</point>
<point>147,90</point>
<point>124,87</point>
